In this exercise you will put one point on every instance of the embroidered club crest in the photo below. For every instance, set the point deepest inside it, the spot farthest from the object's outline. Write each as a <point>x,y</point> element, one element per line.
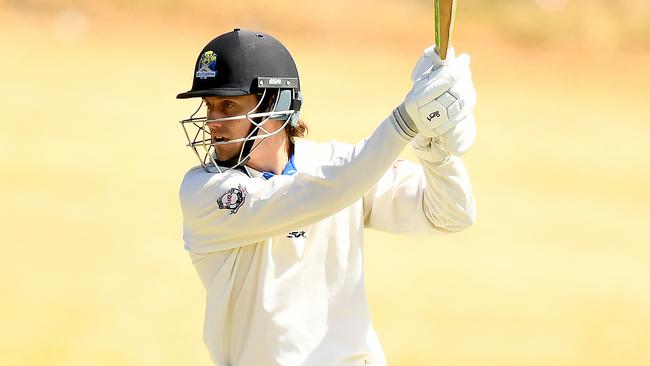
<point>207,67</point>
<point>233,199</point>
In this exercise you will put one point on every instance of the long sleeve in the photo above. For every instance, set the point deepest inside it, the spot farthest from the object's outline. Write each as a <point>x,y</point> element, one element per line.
<point>224,211</point>
<point>426,198</point>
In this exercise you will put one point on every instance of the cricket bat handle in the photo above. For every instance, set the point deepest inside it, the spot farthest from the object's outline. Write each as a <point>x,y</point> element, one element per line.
<point>444,13</point>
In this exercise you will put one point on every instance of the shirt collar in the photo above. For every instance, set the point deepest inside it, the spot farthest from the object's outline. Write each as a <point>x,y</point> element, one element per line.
<point>289,169</point>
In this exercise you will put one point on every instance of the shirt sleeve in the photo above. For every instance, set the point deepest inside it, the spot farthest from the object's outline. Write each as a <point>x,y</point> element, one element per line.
<point>225,211</point>
<point>426,198</point>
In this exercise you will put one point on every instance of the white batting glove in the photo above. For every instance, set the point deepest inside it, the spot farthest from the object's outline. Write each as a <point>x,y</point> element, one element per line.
<point>439,149</point>
<point>441,104</point>
<point>442,97</point>
<point>430,59</point>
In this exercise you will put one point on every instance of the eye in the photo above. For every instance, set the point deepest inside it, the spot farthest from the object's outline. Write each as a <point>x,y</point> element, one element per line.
<point>223,107</point>
<point>227,107</point>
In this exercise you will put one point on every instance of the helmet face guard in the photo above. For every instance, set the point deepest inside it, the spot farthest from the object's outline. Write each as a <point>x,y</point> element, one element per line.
<point>200,139</point>
<point>241,63</point>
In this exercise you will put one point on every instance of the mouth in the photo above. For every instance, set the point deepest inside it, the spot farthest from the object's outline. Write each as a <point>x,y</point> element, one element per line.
<point>219,139</point>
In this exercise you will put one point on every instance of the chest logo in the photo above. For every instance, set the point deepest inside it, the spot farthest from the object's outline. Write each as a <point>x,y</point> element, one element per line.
<point>233,199</point>
<point>297,234</point>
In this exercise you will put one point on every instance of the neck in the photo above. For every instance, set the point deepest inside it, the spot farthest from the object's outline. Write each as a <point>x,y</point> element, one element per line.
<point>272,155</point>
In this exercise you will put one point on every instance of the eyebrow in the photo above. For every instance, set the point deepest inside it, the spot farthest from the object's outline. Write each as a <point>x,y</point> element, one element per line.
<point>224,99</point>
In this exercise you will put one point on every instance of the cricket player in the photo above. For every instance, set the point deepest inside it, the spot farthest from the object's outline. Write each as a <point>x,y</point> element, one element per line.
<point>274,223</point>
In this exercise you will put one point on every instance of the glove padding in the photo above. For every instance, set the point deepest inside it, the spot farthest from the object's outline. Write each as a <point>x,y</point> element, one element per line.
<point>456,142</point>
<point>430,59</point>
<point>441,104</point>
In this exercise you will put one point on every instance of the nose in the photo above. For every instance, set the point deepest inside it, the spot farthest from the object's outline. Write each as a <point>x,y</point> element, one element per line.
<point>214,124</point>
<point>212,114</point>
<point>215,127</point>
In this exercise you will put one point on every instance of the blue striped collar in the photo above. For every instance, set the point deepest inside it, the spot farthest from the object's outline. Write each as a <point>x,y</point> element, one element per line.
<point>289,169</point>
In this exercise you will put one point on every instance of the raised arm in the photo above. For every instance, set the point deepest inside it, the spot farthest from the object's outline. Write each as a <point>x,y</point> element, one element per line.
<point>223,211</point>
<point>436,196</point>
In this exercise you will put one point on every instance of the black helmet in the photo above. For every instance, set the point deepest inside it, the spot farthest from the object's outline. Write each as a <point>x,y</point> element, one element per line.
<point>242,62</point>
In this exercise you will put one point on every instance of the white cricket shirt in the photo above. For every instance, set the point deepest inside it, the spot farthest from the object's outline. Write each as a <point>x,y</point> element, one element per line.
<point>282,260</point>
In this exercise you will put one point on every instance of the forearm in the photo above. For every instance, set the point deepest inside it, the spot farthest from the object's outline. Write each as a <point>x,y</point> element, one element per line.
<point>448,201</point>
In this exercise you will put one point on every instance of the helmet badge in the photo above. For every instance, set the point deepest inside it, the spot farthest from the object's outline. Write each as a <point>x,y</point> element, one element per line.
<point>207,67</point>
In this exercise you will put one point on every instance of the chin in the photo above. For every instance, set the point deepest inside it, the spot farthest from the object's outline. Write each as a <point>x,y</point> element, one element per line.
<point>227,155</point>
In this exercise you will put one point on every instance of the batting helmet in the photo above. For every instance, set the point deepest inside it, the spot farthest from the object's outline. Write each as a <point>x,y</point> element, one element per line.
<point>238,63</point>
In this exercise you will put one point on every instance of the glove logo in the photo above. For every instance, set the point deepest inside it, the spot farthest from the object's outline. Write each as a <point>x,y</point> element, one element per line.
<point>233,199</point>
<point>207,65</point>
<point>433,115</point>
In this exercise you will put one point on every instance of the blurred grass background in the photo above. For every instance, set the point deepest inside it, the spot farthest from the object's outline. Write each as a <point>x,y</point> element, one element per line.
<point>555,272</point>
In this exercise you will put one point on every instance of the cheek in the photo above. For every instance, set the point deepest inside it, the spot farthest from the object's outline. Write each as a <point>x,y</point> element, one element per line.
<point>242,127</point>
<point>273,125</point>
